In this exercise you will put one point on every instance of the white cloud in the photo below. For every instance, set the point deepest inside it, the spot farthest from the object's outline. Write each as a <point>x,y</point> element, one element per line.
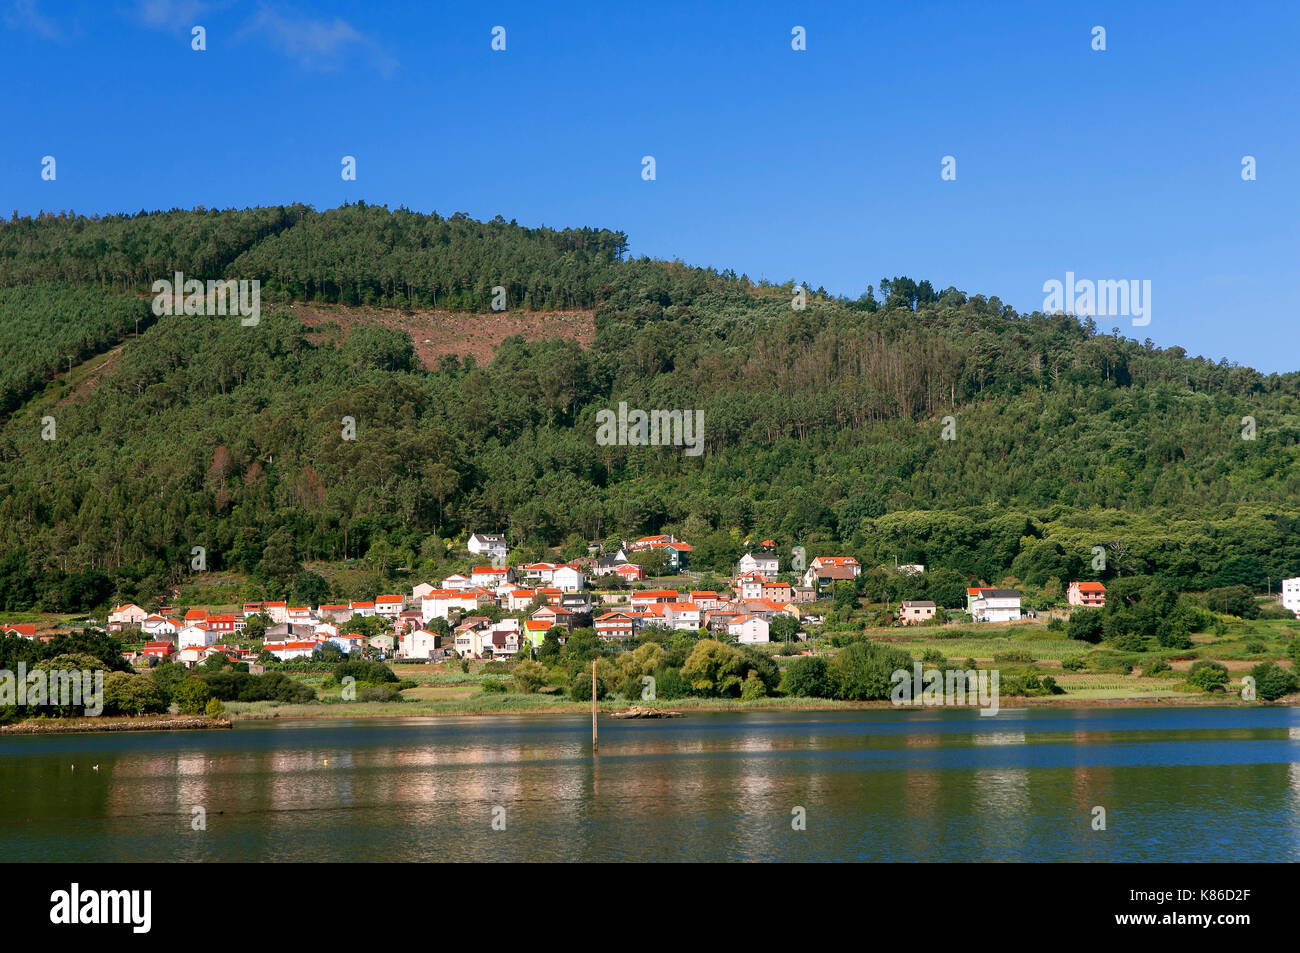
<point>168,14</point>
<point>318,44</point>
<point>23,15</point>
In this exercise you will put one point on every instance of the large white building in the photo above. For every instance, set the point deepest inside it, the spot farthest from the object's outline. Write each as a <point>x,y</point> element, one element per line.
<point>492,545</point>
<point>1291,595</point>
<point>993,605</point>
<point>766,563</point>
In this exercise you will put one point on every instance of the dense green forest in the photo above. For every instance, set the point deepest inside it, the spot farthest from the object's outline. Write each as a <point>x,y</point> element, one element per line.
<point>823,426</point>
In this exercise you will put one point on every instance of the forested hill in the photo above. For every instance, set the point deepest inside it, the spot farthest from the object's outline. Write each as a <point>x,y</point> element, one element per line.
<point>823,426</point>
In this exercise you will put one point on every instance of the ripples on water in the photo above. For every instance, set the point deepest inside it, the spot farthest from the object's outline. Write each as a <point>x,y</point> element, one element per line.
<point>1184,785</point>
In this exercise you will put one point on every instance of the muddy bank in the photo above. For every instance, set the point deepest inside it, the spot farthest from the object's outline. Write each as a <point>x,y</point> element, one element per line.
<point>64,726</point>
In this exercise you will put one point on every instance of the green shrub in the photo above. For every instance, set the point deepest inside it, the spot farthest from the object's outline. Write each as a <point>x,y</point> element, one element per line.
<point>806,678</point>
<point>1208,675</point>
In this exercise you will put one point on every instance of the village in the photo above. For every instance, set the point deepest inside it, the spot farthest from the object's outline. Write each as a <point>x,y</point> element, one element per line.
<point>495,610</point>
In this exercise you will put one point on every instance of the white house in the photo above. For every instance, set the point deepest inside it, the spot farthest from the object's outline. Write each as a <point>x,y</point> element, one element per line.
<point>1291,595</point>
<point>543,572</point>
<point>286,651</point>
<point>766,563</point>
<point>388,607</point>
<point>911,569</point>
<point>195,635</point>
<point>439,603</point>
<point>567,579</point>
<point>993,605</point>
<point>418,644</point>
<point>364,609</point>
<point>750,585</point>
<point>488,544</point>
<point>749,629</point>
<point>454,581</point>
<point>491,576</point>
<point>156,625</point>
<point>189,657</point>
<point>682,615</point>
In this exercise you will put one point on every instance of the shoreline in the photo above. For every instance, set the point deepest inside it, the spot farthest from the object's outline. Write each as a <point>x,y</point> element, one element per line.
<point>89,726</point>
<point>684,706</point>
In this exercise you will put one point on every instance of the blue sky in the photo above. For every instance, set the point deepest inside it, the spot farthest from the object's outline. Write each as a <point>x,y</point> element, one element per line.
<point>821,165</point>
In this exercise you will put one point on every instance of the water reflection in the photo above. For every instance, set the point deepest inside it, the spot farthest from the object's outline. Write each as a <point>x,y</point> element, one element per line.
<point>921,785</point>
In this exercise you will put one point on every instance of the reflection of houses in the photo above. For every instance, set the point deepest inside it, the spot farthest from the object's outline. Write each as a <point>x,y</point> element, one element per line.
<point>993,605</point>
<point>1086,594</point>
<point>915,611</point>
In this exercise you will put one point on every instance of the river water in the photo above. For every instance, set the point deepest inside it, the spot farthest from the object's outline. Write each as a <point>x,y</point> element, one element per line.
<point>1174,784</point>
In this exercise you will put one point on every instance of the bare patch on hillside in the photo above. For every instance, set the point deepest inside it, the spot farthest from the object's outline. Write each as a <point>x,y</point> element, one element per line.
<point>437,333</point>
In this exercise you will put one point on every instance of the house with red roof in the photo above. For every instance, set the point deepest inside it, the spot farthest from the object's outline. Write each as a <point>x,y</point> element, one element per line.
<point>613,626</point>
<point>129,616</point>
<point>1092,594</point>
<point>388,607</point>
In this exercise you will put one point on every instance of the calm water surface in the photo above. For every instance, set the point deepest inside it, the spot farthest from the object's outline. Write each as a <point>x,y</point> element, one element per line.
<point>1183,785</point>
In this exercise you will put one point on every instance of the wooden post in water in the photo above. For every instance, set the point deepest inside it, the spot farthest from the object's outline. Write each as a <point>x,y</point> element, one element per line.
<point>593,706</point>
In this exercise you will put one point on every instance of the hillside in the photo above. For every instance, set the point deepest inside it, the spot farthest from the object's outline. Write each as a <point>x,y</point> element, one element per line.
<point>823,426</point>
